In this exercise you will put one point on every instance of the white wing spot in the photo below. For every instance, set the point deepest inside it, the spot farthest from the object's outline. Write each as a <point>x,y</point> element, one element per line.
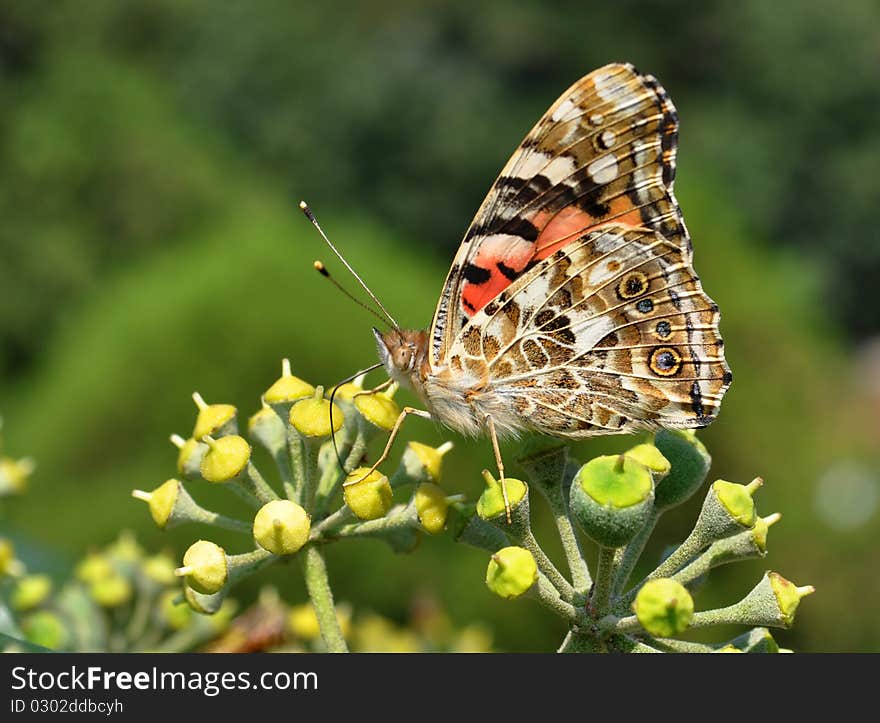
<point>596,119</point>
<point>607,139</point>
<point>603,169</point>
<point>563,110</point>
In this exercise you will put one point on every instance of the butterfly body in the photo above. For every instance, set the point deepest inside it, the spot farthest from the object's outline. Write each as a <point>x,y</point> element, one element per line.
<point>572,307</point>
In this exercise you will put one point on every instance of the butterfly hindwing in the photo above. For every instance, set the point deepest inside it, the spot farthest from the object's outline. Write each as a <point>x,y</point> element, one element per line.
<point>603,153</point>
<point>612,333</point>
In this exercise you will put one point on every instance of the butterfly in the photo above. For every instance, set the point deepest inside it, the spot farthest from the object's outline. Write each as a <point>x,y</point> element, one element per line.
<point>572,307</point>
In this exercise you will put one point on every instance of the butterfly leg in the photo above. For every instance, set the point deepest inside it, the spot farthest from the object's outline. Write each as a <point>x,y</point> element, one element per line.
<point>391,437</point>
<point>490,425</point>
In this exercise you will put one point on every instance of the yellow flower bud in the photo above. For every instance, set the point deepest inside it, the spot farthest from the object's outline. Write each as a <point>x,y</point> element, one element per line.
<point>225,459</point>
<point>432,507</point>
<point>205,568</point>
<point>664,607</point>
<point>212,418</point>
<point>370,498</point>
<point>160,569</point>
<point>93,567</point>
<point>161,501</point>
<point>288,388</point>
<point>281,527</point>
<point>311,417</point>
<point>379,409</point>
<point>511,572</point>
<point>176,615</point>
<point>30,591</point>
<point>111,591</point>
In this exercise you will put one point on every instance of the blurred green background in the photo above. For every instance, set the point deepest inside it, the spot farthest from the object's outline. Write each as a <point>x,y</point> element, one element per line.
<point>151,157</point>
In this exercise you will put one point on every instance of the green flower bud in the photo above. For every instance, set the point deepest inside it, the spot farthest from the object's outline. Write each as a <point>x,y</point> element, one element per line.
<point>664,607</point>
<point>125,549</point>
<point>205,568</point>
<point>267,428</point>
<point>93,567</point>
<point>281,527</point>
<point>311,417</point>
<point>370,498</point>
<point>9,565</point>
<point>214,420</point>
<point>512,572</point>
<point>111,591</point>
<point>788,596</point>
<point>432,507</point>
<point>46,629</point>
<point>727,510</point>
<point>30,591</point>
<point>379,408</point>
<point>14,475</point>
<point>189,457</point>
<point>689,462</point>
<point>756,640</point>
<point>651,457</point>
<point>225,459</point>
<point>202,603</point>
<point>612,498</point>
<point>421,463</point>
<point>175,615</point>
<point>159,569</point>
<point>288,388</point>
<point>490,506</point>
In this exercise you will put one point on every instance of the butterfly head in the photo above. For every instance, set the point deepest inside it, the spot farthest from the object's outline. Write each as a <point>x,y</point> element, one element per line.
<point>404,353</point>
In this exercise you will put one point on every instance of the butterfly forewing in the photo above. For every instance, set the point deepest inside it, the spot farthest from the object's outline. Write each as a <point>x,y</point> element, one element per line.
<point>603,153</point>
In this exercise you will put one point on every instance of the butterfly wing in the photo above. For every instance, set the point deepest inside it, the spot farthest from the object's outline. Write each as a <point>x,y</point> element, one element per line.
<point>603,153</point>
<point>610,334</point>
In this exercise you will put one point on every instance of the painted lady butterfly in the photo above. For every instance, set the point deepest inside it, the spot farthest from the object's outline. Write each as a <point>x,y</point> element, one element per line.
<point>572,307</point>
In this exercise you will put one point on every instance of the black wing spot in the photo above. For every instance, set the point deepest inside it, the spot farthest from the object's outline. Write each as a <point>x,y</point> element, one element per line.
<point>476,274</point>
<point>509,273</point>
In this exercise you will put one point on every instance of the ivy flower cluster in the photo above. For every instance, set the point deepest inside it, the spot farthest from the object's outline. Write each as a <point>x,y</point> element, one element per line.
<point>308,501</point>
<point>616,501</point>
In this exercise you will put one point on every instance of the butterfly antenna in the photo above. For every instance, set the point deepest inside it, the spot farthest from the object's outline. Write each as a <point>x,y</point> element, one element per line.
<point>332,395</point>
<point>311,216</point>
<point>321,269</point>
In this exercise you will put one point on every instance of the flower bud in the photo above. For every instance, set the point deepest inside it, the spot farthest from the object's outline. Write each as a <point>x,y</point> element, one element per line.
<point>205,568</point>
<point>93,567</point>
<point>287,389</point>
<point>756,640</point>
<point>689,462</point>
<point>787,595</point>
<point>159,569</point>
<point>370,498</point>
<point>651,457</point>
<point>303,623</point>
<point>664,607</point>
<point>612,498</point>
<point>727,510</point>
<point>432,507</point>
<point>14,475</point>
<point>420,463</point>
<point>30,591</point>
<point>512,571</point>
<point>46,629</point>
<point>111,591</point>
<point>214,420</point>
<point>281,527</point>
<point>174,614</point>
<point>379,408</point>
<point>266,427</point>
<point>163,500</point>
<point>9,565</point>
<point>125,548</point>
<point>189,456</point>
<point>491,508</point>
<point>225,459</point>
<point>311,417</point>
<point>203,603</point>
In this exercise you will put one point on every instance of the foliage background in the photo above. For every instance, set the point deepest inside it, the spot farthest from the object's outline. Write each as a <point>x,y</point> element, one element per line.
<point>151,154</point>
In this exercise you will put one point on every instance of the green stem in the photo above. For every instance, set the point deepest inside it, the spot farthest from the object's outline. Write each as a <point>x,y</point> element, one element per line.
<point>297,463</point>
<point>601,595</point>
<point>579,643</point>
<point>689,549</point>
<point>333,477</point>
<point>682,646</point>
<point>548,595</point>
<point>571,546</point>
<point>140,616</point>
<point>318,586</point>
<point>546,566</point>
<point>310,487</point>
<point>626,558</point>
